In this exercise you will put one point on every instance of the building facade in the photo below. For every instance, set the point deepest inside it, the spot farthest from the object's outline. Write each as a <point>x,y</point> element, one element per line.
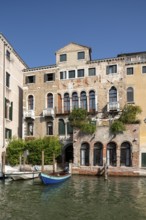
<point>11,90</point>
<point>77,81</point>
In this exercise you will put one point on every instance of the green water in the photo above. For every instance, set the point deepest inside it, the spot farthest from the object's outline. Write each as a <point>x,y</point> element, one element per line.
<point>79,198</point>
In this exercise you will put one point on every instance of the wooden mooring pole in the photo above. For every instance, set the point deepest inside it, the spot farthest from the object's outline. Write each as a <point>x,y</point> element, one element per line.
<point>42,169</point>
<point>105,171</point>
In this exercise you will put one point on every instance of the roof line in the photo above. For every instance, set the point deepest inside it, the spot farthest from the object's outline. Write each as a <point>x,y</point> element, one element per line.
<point>4,39</point>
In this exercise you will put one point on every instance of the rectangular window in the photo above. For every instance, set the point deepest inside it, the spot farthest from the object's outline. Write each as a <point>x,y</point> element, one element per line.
<point>143,160</point>
<point>111,69</point>
<point>8,133</point>
<point>30,79</point>
<point>8,55</point>
<point>81,73</point>
<point>144,69</point>
<point>49,77</point>
<point>30,129</point>
<point>92,72</point>
<point>63,57</point>
<point>81,55</point>
<point>7,79</point>
<point>130,71</point>
<point>63,75</point>
<point>71,74</point>
<point>8,109</point>
<point>49,128</point>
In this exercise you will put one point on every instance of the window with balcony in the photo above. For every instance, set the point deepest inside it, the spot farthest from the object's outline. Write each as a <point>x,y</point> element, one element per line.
<point>71,74</point>
<point>83,100</point>
<point>30,102</point>
<point>130,94</point>
<point>91,71</point>
<point>50,100</point>
<point>50,128</point>
<point>63,75</point>
<point>81,73</point>
<point>49,77</point>
<point>30,79</point>
<point>130,71</point>
<point>63,57</point>
<point>66,103</point>
<point>7,80</point>
<point>75,100</point>
<point>113,95</point>
<point>92,101</point>
<point>81,55</point>
<point>111,69</point>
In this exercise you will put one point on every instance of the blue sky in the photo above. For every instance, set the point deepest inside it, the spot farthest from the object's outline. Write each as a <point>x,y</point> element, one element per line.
<point>38,28</point>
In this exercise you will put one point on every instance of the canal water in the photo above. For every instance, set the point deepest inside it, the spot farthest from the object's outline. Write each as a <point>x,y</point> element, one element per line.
<point>79,198</point>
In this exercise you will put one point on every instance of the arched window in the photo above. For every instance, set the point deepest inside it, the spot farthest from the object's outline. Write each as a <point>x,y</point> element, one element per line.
<point>49,100</point>
<point>30,102</point>
<point>111,154</point>
<point>66,103</point>
<point>61,127</point>
<point>91,101</point>
<point>50,128</point>
<point>84,154</point>
<point>130,94</point>
<point>75,103</point>
<point>98,154</point>
<point>125,158</point>
<point>113,94</point>
<point>83,100</point>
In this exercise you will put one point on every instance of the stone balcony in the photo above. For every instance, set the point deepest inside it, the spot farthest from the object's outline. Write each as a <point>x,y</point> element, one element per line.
<point>29,114</point>
<point>48,112</point>
<point>113,106</point>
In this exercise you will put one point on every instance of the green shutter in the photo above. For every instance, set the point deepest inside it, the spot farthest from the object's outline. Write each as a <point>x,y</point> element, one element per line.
<point>69,128</point>
<point>61,127</point>
<point>143,163</point>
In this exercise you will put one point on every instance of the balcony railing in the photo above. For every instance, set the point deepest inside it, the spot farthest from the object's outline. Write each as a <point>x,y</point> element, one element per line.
<point>29,114</point>
<point>60,110</point>
<point>48,112</point>
<point>113,106</point>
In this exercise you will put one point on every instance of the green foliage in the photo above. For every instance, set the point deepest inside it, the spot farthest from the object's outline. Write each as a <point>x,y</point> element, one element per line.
<point>129,114</point>
<point>50,145</point>
<point>79,119</point>
<point>15,148</point>
<point>117,127</point>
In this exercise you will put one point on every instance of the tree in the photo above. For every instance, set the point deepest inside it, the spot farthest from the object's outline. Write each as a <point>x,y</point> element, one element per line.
<point>50,145</point>
<point>79,119</point>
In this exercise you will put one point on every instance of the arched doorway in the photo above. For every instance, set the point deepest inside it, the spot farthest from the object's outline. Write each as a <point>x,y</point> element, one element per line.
<point>84,154</point>
<point>111,154</point>
<point>69,153</point>
<point>125,158</point>
<point>98,154</point>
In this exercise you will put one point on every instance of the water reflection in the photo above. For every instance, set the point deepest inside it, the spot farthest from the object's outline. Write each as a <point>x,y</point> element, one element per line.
<point>78,198</point>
